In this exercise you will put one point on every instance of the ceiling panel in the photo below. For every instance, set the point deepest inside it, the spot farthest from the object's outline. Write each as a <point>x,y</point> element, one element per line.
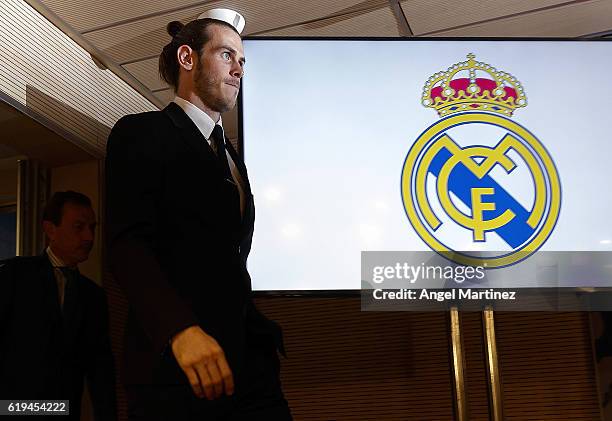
<point>147,72</point>
<point>84,15</point>
<point>568,21</point>
<point>145,38</point>
<point>87,15</point>
<point>426,16</point>
<point>377,23</point>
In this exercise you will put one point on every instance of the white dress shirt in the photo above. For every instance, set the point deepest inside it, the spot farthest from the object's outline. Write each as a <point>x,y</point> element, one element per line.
<point>206,125</point>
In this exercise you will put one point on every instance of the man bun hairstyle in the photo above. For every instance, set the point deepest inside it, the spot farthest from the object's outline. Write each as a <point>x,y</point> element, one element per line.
<point>194,34</point>
<point>174,28</point>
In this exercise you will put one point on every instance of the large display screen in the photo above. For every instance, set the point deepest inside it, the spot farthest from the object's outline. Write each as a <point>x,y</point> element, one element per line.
<point>491,148</point>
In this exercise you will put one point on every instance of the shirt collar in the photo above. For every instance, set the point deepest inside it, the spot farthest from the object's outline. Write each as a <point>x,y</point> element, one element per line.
<point>55,261</point>
<point>202,120</point>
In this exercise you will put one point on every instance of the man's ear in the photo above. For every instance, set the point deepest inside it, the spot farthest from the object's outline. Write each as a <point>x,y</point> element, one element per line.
<point>185,56</point>
<point>49,229</point>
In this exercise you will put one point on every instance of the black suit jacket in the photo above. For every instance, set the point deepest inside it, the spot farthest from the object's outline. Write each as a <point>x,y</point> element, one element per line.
<point>41,357</point>
<point>178,244</point>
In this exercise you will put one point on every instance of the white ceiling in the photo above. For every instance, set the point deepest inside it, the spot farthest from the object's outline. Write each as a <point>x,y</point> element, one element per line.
<point>133,33</point>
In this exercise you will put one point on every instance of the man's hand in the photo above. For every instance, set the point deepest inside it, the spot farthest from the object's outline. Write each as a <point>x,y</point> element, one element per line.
<point>203,361</point>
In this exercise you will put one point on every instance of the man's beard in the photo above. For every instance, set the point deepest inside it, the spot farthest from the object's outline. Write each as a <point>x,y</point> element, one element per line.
<point>205,90</point>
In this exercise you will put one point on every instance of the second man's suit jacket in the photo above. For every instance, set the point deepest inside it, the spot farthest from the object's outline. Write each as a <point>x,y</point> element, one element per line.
<point>178,244</point>
<point>41,356</point>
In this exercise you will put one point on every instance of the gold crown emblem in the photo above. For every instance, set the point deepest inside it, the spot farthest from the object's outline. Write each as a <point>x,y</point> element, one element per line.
<point>484,89</point>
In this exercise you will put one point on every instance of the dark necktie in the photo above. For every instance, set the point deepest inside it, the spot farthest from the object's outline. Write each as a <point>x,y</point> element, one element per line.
<point>70,289</point>
<point>230,187</point>
<point>219,145</point>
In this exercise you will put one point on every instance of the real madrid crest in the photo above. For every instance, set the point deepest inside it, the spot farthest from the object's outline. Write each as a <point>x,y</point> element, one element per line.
<point>478,187</point>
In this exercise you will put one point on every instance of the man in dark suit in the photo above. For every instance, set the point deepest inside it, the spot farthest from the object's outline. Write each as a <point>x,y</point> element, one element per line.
<point>180,215</point>
<point>53,320</point>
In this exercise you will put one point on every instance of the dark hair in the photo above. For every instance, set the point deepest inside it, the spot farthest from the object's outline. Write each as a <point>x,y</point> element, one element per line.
<point>55,206</point>
<point>194,34</point>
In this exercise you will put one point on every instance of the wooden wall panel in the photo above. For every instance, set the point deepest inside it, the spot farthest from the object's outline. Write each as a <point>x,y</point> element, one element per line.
<point>345,364</point>
<point>546,365</point>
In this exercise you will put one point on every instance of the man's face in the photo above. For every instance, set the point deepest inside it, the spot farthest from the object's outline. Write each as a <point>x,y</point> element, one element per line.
<point>219,69</point>
<point>73,239</point>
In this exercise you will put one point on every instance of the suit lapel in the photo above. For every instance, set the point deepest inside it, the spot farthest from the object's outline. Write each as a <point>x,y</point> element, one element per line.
<point>240,165</point>
<point>193,137</point>
<point>248,220</point>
